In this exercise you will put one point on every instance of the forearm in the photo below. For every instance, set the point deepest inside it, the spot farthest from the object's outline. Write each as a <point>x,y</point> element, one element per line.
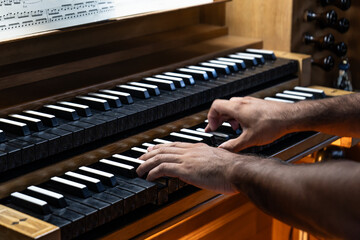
<point>322,198</point>
<point>338,116</point>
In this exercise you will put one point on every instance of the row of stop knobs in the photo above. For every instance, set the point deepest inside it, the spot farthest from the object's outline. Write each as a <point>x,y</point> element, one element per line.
<point>328,19</point>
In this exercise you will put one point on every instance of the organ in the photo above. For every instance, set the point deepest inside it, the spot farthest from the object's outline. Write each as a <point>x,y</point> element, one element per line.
<point>78,106</point>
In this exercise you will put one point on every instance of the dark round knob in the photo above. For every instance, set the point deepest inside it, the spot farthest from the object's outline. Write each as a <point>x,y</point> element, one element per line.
<point>342,4</point>
<point>326,63</point>
<point>323,42</point>
<point>325,19</point>
<point>343,25</point>
<point>340,49</point>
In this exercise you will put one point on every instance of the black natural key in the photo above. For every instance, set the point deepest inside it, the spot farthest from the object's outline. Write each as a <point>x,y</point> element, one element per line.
<point>240,63</point>
<point>112,100</point>
<point>196,74</point>
<point>127,160</point>
<point>52,198</point>
<point>92,183</point>
<point>81,109</point>
<point>68,186</point>
<point>268,55</point>
<point>208,137</point>
<point>250,61</point>
<point>188,79</point>
<point>105,177</point>
<point>259,58</point>
<point>124,96</point>
<point>48,119</point>
<point>31,203</point>
<point>153,89</point>
<point>302,94</point>
<point>231,65</point>
<point>95,103</point>
<point>116,168</point>
<point>210,71</point>
<point>2,136</point>
<point>179,82</point>
<point>161,83</point>
<point>179,137</point>
<point>318,93</point>
<point>134,91</point>
<point>62,112</point>
<point>221,68</point>
<point>33,123</point>
<point>18,128</point>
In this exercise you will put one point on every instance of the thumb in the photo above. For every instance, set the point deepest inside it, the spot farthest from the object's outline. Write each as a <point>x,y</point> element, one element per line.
<point>237,144</point>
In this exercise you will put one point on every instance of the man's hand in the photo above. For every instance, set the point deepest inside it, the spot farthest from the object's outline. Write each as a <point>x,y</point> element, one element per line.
<point>196,164</point>
<point>261,121</point>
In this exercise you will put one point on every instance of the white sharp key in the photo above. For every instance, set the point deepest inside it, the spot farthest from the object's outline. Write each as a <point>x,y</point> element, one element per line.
<point>97,172</point>
<point>128,159</point>
<point>179,135</point>
<point>299,98</point>
<point>137,149</point>
<point>117,164</point>
<point>161,141</point>
<point>185,130</point>
<point>29,199</point>
<point>278,100</point>
<point>148,145</point>
<point>83,177</point>
<point>30,119</point>
<point>45,192</point>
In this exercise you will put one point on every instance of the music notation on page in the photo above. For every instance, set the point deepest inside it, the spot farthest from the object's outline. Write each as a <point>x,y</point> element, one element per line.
<point>24,17</point>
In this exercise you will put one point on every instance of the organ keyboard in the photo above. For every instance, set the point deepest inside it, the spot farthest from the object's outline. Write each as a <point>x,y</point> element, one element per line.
<point>68,153</point>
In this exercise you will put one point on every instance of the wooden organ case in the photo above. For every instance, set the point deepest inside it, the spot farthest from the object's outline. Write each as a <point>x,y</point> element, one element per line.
<point>49,68</point>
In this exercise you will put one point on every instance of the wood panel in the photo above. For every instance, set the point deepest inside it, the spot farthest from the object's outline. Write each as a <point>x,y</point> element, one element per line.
<point>267,20</point>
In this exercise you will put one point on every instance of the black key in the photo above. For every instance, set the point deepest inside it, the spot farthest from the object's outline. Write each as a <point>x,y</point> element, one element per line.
<point>116,168</point>
<point>221,68</point>
<point>210,71</point>
<point>66,137</point>
<point>34,204</point>
<point>240,63</point>
<point>188,79</point>
<point>269,55</point>
<point>3,161</point>
<point>208,137</point>
<point>111,122</point>
<point>318,93</point>
<point>302,94</point>
<point>259,58</point>
<point>249,61</point>
<point>81,109</point>
<point>70,187</point>
<point>141,194</point>
<point>27,152</point>
<point>116,204</point>
<point>127,160</point>
<point>78,134</point>
<point>112,100</point>
<point>33,123</point>
<point>48,119</point>
<point>179,137</point>
<point>55,144</point>
<point>105,177</point>
<point>90,130</point>
<point>129,198</point>
<point>91,214</point>
<point>179,82</point>
<point>290,97</point>
<point>92,183</point>
<point>222,136</point>
<point>62,112</point>
<point>134,91</point>
<point>50,197</point>
<point>100,126</point>
<point>16,127</point>
<point>124,97</point>
<point>41,145</point>
<point>196,74</point>
<point>161,83</point>
<point>13,156</point>
<point>231,65</point>
<point>153,89</point>
<point>2,136</point>
<point>95,103</point>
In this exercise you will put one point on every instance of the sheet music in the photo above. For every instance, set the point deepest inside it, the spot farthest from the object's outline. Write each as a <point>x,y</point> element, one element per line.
<point>23,17</point>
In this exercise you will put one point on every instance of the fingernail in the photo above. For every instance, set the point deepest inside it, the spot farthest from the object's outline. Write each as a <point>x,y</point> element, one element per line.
<point>221,145</point>
<point>149,149</point>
